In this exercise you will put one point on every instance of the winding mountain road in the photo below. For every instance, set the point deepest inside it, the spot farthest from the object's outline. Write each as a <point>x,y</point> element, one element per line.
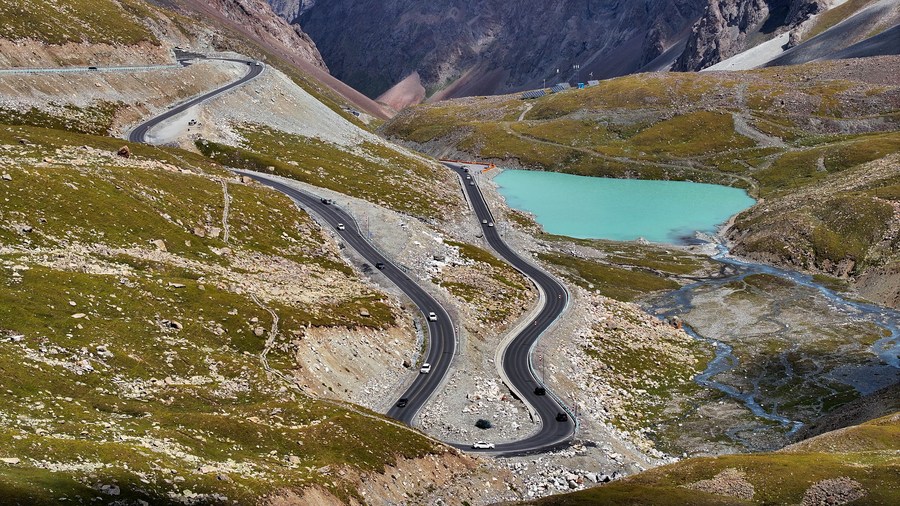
<point>516,365</point>
<point>557,424</point>
<point>139,134</point>
<point>442,337</point>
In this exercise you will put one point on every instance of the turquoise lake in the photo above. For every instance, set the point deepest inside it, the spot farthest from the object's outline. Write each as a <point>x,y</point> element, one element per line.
<point>621,209</point>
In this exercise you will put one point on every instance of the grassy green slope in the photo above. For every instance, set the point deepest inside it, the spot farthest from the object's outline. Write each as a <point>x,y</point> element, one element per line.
<point>78,21</point>
<point>866,454</point>
<point>372,172</point>
<point>100,390</point>
<point>781,133</point>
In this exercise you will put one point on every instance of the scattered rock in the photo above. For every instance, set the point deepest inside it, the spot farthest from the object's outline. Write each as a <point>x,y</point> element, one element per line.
<point>78,316</point>
<point>110,489</point>
<point>160,244</point>
<point>102,351</point>
<point>833,492</point>
<point>7,177</point>
<point>177,285</point>
<point>259,332</point>
<point>27,229</point>
<point>199,232</point>
<point>364,313</point>
<point>729,482</point>
<point>10,460</point>
<point>172,324</point>
<point>124,152</point>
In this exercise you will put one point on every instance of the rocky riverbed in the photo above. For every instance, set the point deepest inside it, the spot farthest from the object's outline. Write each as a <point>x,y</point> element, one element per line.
<point>788,351</point>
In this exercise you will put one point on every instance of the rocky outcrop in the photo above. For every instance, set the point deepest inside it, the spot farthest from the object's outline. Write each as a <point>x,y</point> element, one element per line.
<point>256,18</point>
<point>729,27</point>
<point>469,47</point>
<point>291,9</point>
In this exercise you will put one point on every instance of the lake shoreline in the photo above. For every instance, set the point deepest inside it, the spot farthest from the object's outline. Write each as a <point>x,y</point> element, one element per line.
<point>778,429</point>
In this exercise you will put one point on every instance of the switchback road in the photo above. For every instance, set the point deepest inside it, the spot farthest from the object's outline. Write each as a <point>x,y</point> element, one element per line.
<point>516,365</point>
<point>441,335</point>
<point>139,134</point>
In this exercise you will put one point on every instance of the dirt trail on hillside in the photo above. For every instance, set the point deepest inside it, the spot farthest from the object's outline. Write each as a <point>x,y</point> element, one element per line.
<point>688,165</point>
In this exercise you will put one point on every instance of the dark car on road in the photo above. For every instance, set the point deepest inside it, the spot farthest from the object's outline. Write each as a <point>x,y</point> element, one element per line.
<point>561,417</point>
<point>402,402</point>
<point>540,391</point>
<point>380,266</point>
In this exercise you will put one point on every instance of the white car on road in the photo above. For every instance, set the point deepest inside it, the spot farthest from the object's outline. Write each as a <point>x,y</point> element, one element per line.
<point>341,226</point>
<point>426,368</point>
<point>481,445</point>
<point>432,317</point>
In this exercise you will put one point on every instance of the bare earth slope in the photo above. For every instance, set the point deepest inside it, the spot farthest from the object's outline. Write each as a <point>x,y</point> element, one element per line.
<point>256,18</point>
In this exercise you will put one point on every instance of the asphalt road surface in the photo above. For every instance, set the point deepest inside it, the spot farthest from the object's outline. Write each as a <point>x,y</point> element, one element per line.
<point>555,429</point>
<point>139,134</point>
<point>516,360</point>
<point>441,336</point>
<point>441,344</point>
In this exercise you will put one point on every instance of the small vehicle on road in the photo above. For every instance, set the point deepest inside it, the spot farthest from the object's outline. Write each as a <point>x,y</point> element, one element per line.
<point>471,183</point>
<point>484,222</point>
<point>491,224</point>
<point>92,68</point>
<point>561,417</point>
<point>326,201</point>
<point>426,368</point>
<point>481,445</point>
<point>258,64</point>
<point>468,176</point>
<point>432,316</point>
<point>380,266</point>
<point>540,391</point>
<point>341,226</point>
<point>402,402</point>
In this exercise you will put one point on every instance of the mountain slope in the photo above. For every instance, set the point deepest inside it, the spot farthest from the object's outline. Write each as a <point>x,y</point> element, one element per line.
<point>151,295</point>
<point>744,35</point>
<point>269,37</point>
<point>817,142</point>
<point>729,27</point>
<point>854,464</point>
<point>469,47</point>
<point>255,18</point>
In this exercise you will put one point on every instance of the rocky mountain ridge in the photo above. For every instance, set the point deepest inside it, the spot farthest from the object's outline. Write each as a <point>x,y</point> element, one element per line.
<point>461,48</point>
<point>258,18</point>
<point>403,52</point>
<point>728,27</point>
